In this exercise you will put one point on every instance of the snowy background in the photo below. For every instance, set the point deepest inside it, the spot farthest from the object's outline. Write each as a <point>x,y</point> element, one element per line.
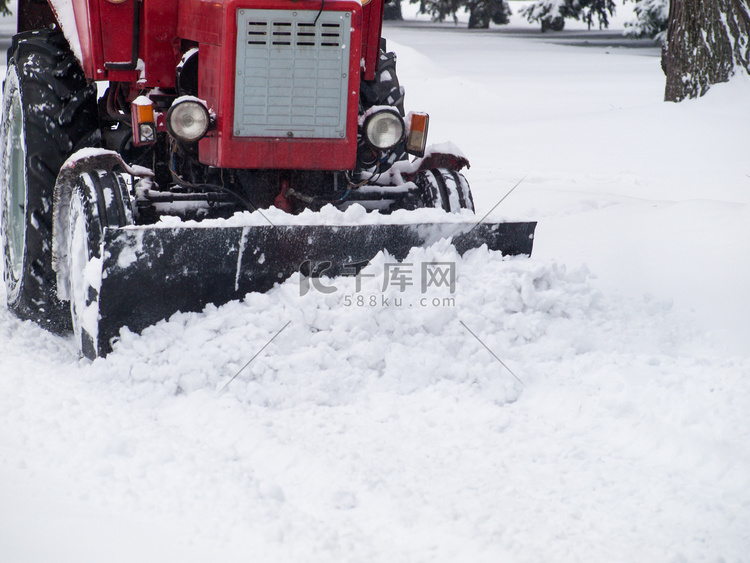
<point>385,433</point>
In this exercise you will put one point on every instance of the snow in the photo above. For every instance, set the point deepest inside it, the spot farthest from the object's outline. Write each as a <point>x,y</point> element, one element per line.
<point>376,423</point>
<point>142,101</point>
<point>329,215</point>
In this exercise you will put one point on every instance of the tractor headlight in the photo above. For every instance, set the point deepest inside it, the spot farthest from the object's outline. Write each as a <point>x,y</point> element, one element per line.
<point>384,129</point>
<point>188,121</point>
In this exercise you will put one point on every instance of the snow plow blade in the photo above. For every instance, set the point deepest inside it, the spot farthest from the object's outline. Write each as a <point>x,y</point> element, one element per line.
<point>150,273</point>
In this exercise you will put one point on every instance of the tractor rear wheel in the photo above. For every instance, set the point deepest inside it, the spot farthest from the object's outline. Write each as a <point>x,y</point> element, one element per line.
<point>444,189</point>
<point>49,112</point>
<point>99,200</point>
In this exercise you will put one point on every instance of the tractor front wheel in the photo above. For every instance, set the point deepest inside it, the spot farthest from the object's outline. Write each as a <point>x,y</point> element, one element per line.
<point>100,200</point>
<point>444,189</point>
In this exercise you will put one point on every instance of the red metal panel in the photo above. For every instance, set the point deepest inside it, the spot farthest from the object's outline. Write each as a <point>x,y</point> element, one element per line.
<point>201,21</point>
<point>158,47</point>
<point>210,86</point>
<point>216,85</point>
<point>286,154</point>
<point>90,37</point>
<point>88,16</point>
<point>117,37</point>
<point>105,31</point>
<point>372,24</point>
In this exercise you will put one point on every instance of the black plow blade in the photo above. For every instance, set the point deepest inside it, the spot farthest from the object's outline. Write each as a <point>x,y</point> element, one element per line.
<point>150,273</point>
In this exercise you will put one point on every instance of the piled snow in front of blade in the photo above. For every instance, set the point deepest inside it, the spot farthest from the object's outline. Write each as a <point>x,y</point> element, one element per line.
<point>395,327</point>
<point>329,215</point>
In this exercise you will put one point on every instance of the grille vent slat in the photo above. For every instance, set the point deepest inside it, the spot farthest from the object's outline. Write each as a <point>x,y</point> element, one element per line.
<point>295,33</point>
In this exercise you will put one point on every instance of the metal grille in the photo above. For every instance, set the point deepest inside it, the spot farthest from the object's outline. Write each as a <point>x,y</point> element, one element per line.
<point>292,73</point>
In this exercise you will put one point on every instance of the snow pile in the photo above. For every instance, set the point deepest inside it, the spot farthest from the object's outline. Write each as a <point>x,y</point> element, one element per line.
<point>381,331</point>
<point>498,427</point>
<point>328,215</point>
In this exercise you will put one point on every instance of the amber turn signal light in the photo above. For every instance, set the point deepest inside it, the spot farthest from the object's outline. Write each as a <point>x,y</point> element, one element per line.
<point>144,122</point>
<point>417,124</point>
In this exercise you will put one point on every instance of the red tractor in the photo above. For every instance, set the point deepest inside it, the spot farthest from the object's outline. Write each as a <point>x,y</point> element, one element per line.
<point>131,128</point>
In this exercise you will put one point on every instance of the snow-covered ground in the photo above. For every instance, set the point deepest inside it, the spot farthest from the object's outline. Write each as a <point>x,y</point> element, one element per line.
<point>608,423</point>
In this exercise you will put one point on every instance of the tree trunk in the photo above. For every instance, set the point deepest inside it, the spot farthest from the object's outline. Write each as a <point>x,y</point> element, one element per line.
<point>392,10</point>
<point>707,41</point>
